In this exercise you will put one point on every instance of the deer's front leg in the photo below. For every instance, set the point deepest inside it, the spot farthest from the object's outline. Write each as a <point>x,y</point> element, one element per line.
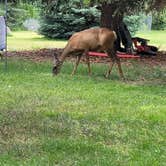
<point>88,63</point>
<point>76,65</point>
<point>112,54</point>
<point>120,68</point>
<point>110,69</point>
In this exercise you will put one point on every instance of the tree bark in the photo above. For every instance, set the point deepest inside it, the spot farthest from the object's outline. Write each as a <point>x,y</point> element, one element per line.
<point>111,19</point>
<point>106,16</point>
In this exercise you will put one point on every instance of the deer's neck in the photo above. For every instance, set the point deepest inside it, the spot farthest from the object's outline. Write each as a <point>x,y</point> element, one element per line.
<point>64,54</point>
<point>62,58</point>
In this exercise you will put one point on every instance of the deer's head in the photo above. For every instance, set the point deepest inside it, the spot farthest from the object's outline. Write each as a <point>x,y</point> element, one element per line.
<point>57,65</point>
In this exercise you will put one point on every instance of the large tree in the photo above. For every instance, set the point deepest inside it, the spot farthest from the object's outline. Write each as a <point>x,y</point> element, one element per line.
<point>62,18</point>
<point>113,11</point>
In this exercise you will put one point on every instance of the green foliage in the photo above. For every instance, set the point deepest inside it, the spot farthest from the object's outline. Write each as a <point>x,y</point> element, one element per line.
<point>130,6</point>
<point>17,14</point>
<point>16,17</point>
<point>61,20</point>
<point>159,21</point>
<point>133,23</point>
<point>2,11</point>
<point>31,9</point>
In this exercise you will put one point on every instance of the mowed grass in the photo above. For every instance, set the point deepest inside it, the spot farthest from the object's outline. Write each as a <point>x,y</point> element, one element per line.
<point>81,120</point>
<point>26,40</point>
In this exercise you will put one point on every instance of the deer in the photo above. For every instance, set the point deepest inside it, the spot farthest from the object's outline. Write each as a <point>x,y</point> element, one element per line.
<point>93,39</point>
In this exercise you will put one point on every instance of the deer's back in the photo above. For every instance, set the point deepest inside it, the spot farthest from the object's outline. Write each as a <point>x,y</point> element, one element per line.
<point>92,39</point>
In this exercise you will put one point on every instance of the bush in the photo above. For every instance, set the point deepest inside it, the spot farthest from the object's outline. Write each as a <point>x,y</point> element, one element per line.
<point>16,18</point>
<point>17,14</point>
<point>2,9</point>
<point>133,23</point>
<point>32,10</point>
<point>159,21</point>
<point>61,20</point>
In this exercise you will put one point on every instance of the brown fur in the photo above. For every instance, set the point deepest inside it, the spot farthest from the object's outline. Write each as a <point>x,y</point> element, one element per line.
<point>94,39</point>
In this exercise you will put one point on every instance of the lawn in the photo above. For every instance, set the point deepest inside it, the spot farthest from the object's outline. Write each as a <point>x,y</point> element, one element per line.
<point>30,40</point>
<point>157,38</point>
<point>81,120</point>
<point>26,40</point>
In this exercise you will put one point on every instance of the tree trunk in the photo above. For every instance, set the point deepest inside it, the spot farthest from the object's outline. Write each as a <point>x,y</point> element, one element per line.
<point>106,16</point>
<point>111,20</point>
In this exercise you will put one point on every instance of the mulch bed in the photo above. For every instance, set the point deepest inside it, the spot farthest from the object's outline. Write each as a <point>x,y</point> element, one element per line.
<point>47,54</point>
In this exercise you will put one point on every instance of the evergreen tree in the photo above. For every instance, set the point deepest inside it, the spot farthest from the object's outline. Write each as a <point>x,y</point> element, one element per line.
<point>60,19</point>
<point>113,11</point>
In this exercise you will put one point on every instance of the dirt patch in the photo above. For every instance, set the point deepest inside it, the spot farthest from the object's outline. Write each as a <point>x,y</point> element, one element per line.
<point>48,54</point>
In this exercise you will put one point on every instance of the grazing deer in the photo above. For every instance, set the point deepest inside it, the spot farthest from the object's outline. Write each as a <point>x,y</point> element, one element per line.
<point>94,39</point>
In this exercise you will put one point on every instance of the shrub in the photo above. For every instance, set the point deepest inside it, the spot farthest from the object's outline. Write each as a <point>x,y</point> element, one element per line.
<point>31,9</point>
<point>2,9</point>
<point>133,23</point>
<point>61,20</point>
<point>16,17</point>
<point>17,14</point>
<point>159,21</point>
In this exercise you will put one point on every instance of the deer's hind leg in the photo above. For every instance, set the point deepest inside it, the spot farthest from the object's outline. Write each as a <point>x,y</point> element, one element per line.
<point>114,58</point>
<point>110,69</point>
<point>112,62</point>
<point>120,68</point>
<point>88,63</point>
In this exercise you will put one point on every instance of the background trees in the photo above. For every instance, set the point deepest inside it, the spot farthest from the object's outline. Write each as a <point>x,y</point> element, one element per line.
<point>159,20</point>
<point>61,18</point>
<point>60,21</point>
<point>113,11</point>
<point>110,13</point>
<point>19,11</point>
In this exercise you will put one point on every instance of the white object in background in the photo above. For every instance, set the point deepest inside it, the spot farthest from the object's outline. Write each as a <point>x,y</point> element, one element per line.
<point>32,24</point>
<point>2,33</point>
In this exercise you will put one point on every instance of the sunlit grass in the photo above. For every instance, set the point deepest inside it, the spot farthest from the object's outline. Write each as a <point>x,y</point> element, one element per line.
<point>26,40</point>
<point>157,38</point>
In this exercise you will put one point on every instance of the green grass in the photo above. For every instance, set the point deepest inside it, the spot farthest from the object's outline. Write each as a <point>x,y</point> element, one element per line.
<point>81,120</point>
<point>26,40</point>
